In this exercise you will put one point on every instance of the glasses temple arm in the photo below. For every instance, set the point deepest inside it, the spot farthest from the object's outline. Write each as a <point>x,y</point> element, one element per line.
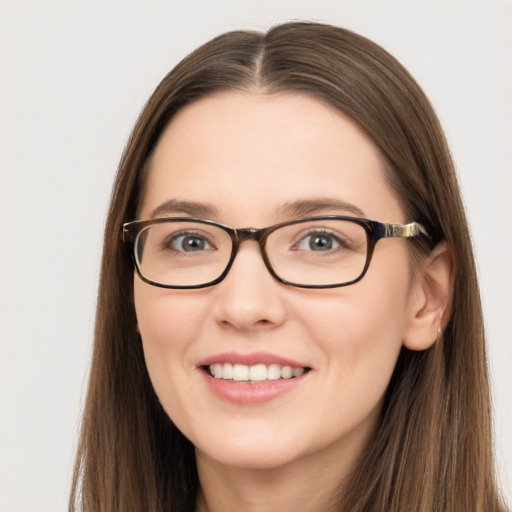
<point>404,230</point>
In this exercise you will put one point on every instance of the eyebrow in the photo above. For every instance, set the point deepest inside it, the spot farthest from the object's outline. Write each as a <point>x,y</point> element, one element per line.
<point>298,208</point>
<point>175,206</point>
<point>322,205</point>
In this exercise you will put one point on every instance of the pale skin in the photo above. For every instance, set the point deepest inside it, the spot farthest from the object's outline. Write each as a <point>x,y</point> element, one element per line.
<point>243,157</point>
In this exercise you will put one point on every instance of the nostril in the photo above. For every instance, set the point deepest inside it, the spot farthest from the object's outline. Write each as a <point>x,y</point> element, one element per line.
<point>229,322</point>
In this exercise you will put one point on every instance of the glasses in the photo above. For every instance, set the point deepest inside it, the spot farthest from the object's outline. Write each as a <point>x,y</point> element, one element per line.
<point>316,252</point>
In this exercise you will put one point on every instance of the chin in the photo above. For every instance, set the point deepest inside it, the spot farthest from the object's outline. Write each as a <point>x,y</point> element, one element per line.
<point>258,449</point>
<point>240,458</point>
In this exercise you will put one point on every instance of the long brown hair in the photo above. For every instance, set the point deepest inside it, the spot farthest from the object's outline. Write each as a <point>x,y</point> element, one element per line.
<point>432,448</point>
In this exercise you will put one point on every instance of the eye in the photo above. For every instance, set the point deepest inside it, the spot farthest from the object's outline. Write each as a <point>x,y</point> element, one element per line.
<point>319,241</point>
<point>189,242</point>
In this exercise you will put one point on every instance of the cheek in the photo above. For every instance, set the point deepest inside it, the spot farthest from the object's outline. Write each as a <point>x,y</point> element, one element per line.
<point>358,346</point>
<point>167,319</point>
<point>359,332</point>
<point>168,323</point>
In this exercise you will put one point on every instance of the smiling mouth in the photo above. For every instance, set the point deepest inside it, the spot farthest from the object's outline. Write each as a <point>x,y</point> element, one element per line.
<point>253,374</point>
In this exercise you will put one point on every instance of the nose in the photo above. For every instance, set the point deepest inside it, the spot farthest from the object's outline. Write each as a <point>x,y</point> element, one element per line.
<point>249,298</point>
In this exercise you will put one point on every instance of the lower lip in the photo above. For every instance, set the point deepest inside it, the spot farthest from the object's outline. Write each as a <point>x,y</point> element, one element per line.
<point>243,393</point>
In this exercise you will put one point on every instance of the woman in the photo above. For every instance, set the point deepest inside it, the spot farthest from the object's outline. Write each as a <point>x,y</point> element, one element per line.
<point>341,364</point>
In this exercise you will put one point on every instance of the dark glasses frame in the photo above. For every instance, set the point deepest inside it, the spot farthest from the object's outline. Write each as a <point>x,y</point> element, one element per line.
<point>375,231</point>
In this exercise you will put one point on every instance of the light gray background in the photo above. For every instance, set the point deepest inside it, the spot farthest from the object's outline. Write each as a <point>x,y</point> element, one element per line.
<point>74,76</point>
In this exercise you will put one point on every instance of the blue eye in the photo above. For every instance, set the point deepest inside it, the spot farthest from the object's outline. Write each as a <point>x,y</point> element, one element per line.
<point>319,242</point>
<point>189,242</point>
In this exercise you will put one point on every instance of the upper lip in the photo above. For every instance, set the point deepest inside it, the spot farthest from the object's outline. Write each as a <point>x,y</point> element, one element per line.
<point>251,359</point>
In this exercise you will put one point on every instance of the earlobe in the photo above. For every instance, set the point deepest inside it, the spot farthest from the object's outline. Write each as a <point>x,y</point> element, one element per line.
<point>431,298</point>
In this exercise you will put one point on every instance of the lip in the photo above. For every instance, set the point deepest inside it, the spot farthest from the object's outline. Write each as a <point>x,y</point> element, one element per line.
<point>251,359</point>
<point>244,393</point>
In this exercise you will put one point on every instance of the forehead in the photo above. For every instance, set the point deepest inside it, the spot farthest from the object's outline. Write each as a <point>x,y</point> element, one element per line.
<point>248,154</point>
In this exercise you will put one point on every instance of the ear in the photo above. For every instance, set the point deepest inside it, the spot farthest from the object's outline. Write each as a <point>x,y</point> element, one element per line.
<point>431,300</point>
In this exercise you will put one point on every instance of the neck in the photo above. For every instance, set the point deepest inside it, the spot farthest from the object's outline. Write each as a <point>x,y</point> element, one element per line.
<point>308,485</point>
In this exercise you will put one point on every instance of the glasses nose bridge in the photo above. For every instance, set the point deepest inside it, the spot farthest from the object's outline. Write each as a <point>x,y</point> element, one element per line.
<point>257,235</point>
<point>243,234</point>
<point>248,234</point>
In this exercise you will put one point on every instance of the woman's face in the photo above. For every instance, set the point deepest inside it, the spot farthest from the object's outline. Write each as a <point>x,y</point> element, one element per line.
<point>253,160</point>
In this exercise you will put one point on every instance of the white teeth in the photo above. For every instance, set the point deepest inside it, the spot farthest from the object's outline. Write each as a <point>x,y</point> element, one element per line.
<point>216,370</point>
<point>286,372</point>
<point>297,372</point>
<point>240,372</point>
<point>227,371</point>
<point>273,372</point>
<point>256,373</point>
